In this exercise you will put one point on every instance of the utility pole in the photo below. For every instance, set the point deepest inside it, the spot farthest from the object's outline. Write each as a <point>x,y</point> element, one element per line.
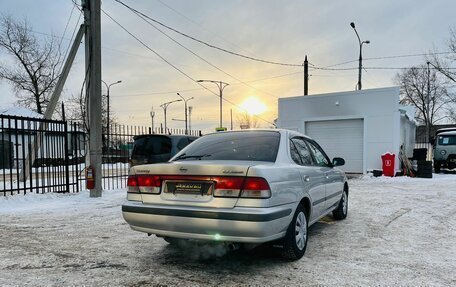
<point>186,119</point>
<point>190,108</point>
<point>428,122</point>
<point>93,87</point>
<point>152,115</point>
<point>37,142</point>
<point>306,76</point>
<point>108,87</point>
<point>360,60</point>
<point>165,107</point>
<point>231,118</point>
<point>221,85</point>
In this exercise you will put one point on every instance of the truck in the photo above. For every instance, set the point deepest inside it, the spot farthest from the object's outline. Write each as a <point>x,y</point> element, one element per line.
<point>445,149</point>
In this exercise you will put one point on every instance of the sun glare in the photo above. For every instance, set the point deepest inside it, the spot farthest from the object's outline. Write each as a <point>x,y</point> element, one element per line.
<point>253,106</point>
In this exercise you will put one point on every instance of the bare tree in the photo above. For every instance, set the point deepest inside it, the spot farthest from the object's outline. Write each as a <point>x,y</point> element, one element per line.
<point>247,121</point>
<point>445,66</point>
<point>77,111</point>
<point>444,63</point>
<point>34,69</point>
<point>414,91</point>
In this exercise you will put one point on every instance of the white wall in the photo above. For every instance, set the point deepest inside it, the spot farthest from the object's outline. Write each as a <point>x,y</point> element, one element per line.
<point>408,130</point>
<point>379,108</point>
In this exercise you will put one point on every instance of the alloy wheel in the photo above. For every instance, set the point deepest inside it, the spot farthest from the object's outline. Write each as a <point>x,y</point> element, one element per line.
<point>301,230</point>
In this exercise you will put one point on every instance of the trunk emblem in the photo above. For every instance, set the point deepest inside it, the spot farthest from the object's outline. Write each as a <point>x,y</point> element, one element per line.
<point>233,172</point>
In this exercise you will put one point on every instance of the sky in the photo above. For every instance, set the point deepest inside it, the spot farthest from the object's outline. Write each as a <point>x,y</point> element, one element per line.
<point>272,30</point>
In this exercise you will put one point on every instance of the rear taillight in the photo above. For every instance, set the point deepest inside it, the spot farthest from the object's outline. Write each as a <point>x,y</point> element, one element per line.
<point>144,183</point>
<point>132,183</point>
<point>256,187</point>
<point>224,186</point>
<point>227,186</point>
<point>247,187</point>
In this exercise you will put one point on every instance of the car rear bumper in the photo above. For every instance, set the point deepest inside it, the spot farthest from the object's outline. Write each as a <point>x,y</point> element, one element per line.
<point>239,224</point>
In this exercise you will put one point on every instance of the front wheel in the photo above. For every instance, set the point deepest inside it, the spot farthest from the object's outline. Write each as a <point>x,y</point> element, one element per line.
<point>295,241</point>
<point>342,209</point>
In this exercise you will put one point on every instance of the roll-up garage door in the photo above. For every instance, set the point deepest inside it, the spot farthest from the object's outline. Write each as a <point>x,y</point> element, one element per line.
<point>340,138</point>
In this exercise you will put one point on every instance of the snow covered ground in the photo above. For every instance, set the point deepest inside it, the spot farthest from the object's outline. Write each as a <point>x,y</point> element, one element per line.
<point>400,231</point>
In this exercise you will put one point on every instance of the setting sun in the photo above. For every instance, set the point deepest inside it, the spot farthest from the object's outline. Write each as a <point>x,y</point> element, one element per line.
<point>253,106</point>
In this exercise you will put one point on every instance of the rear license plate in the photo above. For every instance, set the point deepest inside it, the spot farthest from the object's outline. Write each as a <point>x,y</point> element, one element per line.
<point>188,187</point>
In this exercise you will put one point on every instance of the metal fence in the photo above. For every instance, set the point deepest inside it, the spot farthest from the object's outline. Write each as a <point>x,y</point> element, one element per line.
<point>57,152</point>
<point>421,143</point>
<point>117,147</point>
<point>54,160</point>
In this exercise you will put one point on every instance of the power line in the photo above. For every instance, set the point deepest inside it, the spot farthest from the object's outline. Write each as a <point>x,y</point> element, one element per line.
<point>175,67</point>
<point>408,55</point>
<point>390,57</point>
<point>194,22</point>
<point>201,58</point>
<point>207,44</point>
<point>371,68</point>
<point>72,37</point>
<point>200,89</point>
<point>66,25</point>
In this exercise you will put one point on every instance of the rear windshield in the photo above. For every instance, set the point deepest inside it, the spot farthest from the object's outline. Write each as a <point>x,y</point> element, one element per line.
<point>447,140</point>
<point>251,146</point>
<point>153,145</point>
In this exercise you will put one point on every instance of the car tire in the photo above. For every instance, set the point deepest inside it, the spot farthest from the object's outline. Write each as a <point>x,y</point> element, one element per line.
<point>171,240</point>
<point>342,209</point>
<point>437,166</point>
<point>295,240</point>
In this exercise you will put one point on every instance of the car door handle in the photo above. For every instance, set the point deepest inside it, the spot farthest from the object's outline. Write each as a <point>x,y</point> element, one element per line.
<point>306,178</point>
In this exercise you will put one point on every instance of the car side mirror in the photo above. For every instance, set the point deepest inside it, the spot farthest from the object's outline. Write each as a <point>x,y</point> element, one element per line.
<point>338,161</point>
<point>432,141</point>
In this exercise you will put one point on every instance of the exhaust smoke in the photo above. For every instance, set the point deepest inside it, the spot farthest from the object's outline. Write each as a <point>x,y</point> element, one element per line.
<point>203,250</point>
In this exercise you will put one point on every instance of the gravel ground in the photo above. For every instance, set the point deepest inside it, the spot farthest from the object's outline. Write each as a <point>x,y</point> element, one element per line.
<point>399,231</point>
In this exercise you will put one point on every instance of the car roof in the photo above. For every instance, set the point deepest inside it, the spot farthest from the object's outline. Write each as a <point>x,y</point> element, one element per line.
<point>162,135</point>
<point>446,131</point>
<point>281,131</point>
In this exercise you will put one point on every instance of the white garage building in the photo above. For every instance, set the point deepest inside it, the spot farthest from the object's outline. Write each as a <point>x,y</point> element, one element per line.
<point>359,126</point>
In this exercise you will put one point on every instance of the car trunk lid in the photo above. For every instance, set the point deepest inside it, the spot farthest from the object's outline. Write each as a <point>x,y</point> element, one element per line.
<point>193,183</point>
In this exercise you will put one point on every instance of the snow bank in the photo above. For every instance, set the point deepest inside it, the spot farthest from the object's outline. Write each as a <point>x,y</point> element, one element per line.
<point>54,202</point>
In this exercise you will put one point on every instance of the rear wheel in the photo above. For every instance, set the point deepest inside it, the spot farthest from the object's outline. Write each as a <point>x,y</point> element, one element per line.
<point>171,240</point>
<point>342,209</point>
<point>437,166</point>
<point>295,241</point>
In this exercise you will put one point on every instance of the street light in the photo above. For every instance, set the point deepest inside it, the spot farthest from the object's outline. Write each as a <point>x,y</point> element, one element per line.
<point>360,66</point>
<point>165,107</point>
<point>107,103</point>
<point>221,85</point>
<point>186,118</point>
<point>152,115</point>
<point>190,109</point>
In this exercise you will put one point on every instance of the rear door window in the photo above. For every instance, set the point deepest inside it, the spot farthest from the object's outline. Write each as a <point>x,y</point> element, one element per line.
<point>183,142</point>
<point>153,145</point>
<point>294,153</point>
<point>303,151</point>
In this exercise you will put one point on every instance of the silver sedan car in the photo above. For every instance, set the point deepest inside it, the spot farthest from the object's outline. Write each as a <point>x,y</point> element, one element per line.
<point>251,186</point>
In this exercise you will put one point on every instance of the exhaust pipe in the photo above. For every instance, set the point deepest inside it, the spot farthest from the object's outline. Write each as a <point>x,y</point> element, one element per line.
<point>233,246</point>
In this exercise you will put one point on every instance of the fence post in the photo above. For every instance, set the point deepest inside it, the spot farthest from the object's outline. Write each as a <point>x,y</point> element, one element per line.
<point>76,153</point>
<point>65,141</point>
